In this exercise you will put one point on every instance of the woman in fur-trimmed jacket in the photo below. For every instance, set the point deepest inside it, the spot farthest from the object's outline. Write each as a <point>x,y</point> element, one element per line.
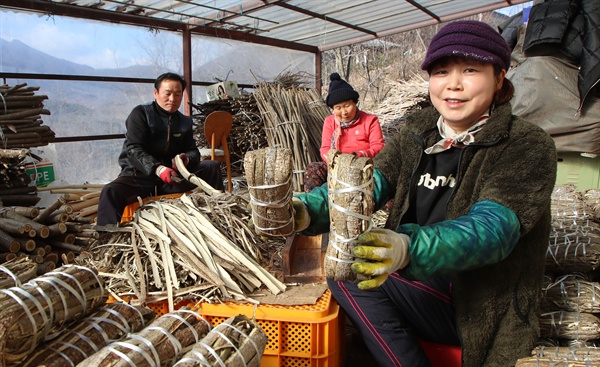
<point>462,257</point>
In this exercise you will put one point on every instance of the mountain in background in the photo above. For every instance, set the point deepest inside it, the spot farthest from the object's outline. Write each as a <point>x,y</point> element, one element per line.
<point>80,108</point>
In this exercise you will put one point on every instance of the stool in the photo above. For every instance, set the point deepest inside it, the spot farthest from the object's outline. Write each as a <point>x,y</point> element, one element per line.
<point>442,355</point>
<point>131,208</point>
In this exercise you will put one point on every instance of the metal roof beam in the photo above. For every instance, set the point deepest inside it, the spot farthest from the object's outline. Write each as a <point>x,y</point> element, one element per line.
<point>325,18</point>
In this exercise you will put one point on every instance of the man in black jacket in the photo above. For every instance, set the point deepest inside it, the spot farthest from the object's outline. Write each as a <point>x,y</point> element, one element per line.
<point>156,133</point>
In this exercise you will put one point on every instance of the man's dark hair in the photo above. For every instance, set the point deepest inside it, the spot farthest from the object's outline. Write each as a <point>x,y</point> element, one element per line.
<point>169,76</point>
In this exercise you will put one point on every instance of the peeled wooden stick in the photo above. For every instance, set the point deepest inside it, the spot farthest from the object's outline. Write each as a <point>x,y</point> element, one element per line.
<point>194,179</point>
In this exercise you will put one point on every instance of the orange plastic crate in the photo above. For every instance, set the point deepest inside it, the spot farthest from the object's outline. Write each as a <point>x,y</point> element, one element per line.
<point>131,208</point>
<point>159,308</point>
<point>298,336</point>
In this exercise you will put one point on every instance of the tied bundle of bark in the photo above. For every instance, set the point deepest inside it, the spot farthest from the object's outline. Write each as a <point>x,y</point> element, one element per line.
<point>45,305</point>
<point>161,343</point>
<point>570,293</point>
<point>237,342</point>
<point>269,176</point>
<point>109,323</point>
<point>569,325</point>
<point>20,117</point>
<point>17,271</point>
<point>350,186</point>
<point>556,356</point>
<point>574,249</point>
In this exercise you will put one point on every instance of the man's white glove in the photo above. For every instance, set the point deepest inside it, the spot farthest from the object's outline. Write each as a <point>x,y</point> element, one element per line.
<point>301,217</point>
<point>384,252</point>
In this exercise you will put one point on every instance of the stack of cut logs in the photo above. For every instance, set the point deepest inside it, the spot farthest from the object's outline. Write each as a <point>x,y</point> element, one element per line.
<point>50,236</point>
<point>15,188</point>
<point>20,117</point>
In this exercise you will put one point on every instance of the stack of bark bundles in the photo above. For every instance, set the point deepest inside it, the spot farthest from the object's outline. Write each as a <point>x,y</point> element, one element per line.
<point>20,117</point>
<point>109,323</point>
<point>569,322</point>
<point>351,205</point>
<point>15,183</point>
<point>237,342</point>
<point>44,234</point>
<point>162,343</point>
<point>43,306</point>
<point>268,172</point>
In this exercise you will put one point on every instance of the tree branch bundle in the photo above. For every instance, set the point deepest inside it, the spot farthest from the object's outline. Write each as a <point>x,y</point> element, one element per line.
<point>269,175</point>
<point>293,119</point>
<point>20,117</point>
<point>351,205</point>
<point>161,343</point>
<point>236,342</point>
<point>114,321</point>
<point>44,305</point>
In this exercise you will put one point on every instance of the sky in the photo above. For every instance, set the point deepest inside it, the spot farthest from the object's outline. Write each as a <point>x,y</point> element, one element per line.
<point>100,45</point>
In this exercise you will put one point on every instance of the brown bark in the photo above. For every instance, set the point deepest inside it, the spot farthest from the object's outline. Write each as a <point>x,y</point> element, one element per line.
<point>269,172</point>
<point>163,346</point>
<point>69,348</point>
<point>347,171</point>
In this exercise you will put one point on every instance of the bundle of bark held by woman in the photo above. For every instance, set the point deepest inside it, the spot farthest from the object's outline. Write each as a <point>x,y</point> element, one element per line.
<point>269,176</point>
<point>160,344</point>
<point>16,187</point>
<point>236,342</point>
<point>350,186</point>
<point>112,322</point>
<point>45,305</point>
<point>172,250</point>
<point>20,117</point>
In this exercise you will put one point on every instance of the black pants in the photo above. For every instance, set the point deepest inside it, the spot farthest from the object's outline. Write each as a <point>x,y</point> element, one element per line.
<point>392,318</point>
<point>124,190</point>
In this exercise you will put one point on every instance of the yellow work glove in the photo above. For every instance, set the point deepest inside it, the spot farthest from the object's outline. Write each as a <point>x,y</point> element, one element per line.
<point>383,251</point>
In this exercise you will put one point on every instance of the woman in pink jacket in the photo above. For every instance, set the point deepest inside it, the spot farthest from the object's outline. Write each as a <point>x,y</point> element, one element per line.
<point>348,130</point>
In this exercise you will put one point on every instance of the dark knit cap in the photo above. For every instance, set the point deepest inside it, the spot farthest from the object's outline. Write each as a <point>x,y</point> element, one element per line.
<point>340,91</point>
<point>470,39</point>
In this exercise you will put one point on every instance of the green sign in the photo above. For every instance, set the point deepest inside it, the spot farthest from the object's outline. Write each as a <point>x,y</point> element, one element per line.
<point>42,175</point>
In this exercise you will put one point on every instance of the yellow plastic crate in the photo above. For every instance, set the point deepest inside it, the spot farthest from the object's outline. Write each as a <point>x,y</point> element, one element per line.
<point>298,336</point>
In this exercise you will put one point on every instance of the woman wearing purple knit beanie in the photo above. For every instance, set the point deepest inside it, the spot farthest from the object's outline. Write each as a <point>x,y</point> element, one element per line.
<point>461,259</point>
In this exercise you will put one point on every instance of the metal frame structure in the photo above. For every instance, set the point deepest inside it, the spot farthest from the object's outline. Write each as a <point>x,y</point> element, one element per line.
<point>304,25</point>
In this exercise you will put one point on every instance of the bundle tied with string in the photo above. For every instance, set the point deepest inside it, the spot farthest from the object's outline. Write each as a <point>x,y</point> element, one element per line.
<point>268,172</point>
<point>236,342</point>
<point>112,322</point>
<point>44,306</point>
<point>162,343</point>
<point>350,192</point>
